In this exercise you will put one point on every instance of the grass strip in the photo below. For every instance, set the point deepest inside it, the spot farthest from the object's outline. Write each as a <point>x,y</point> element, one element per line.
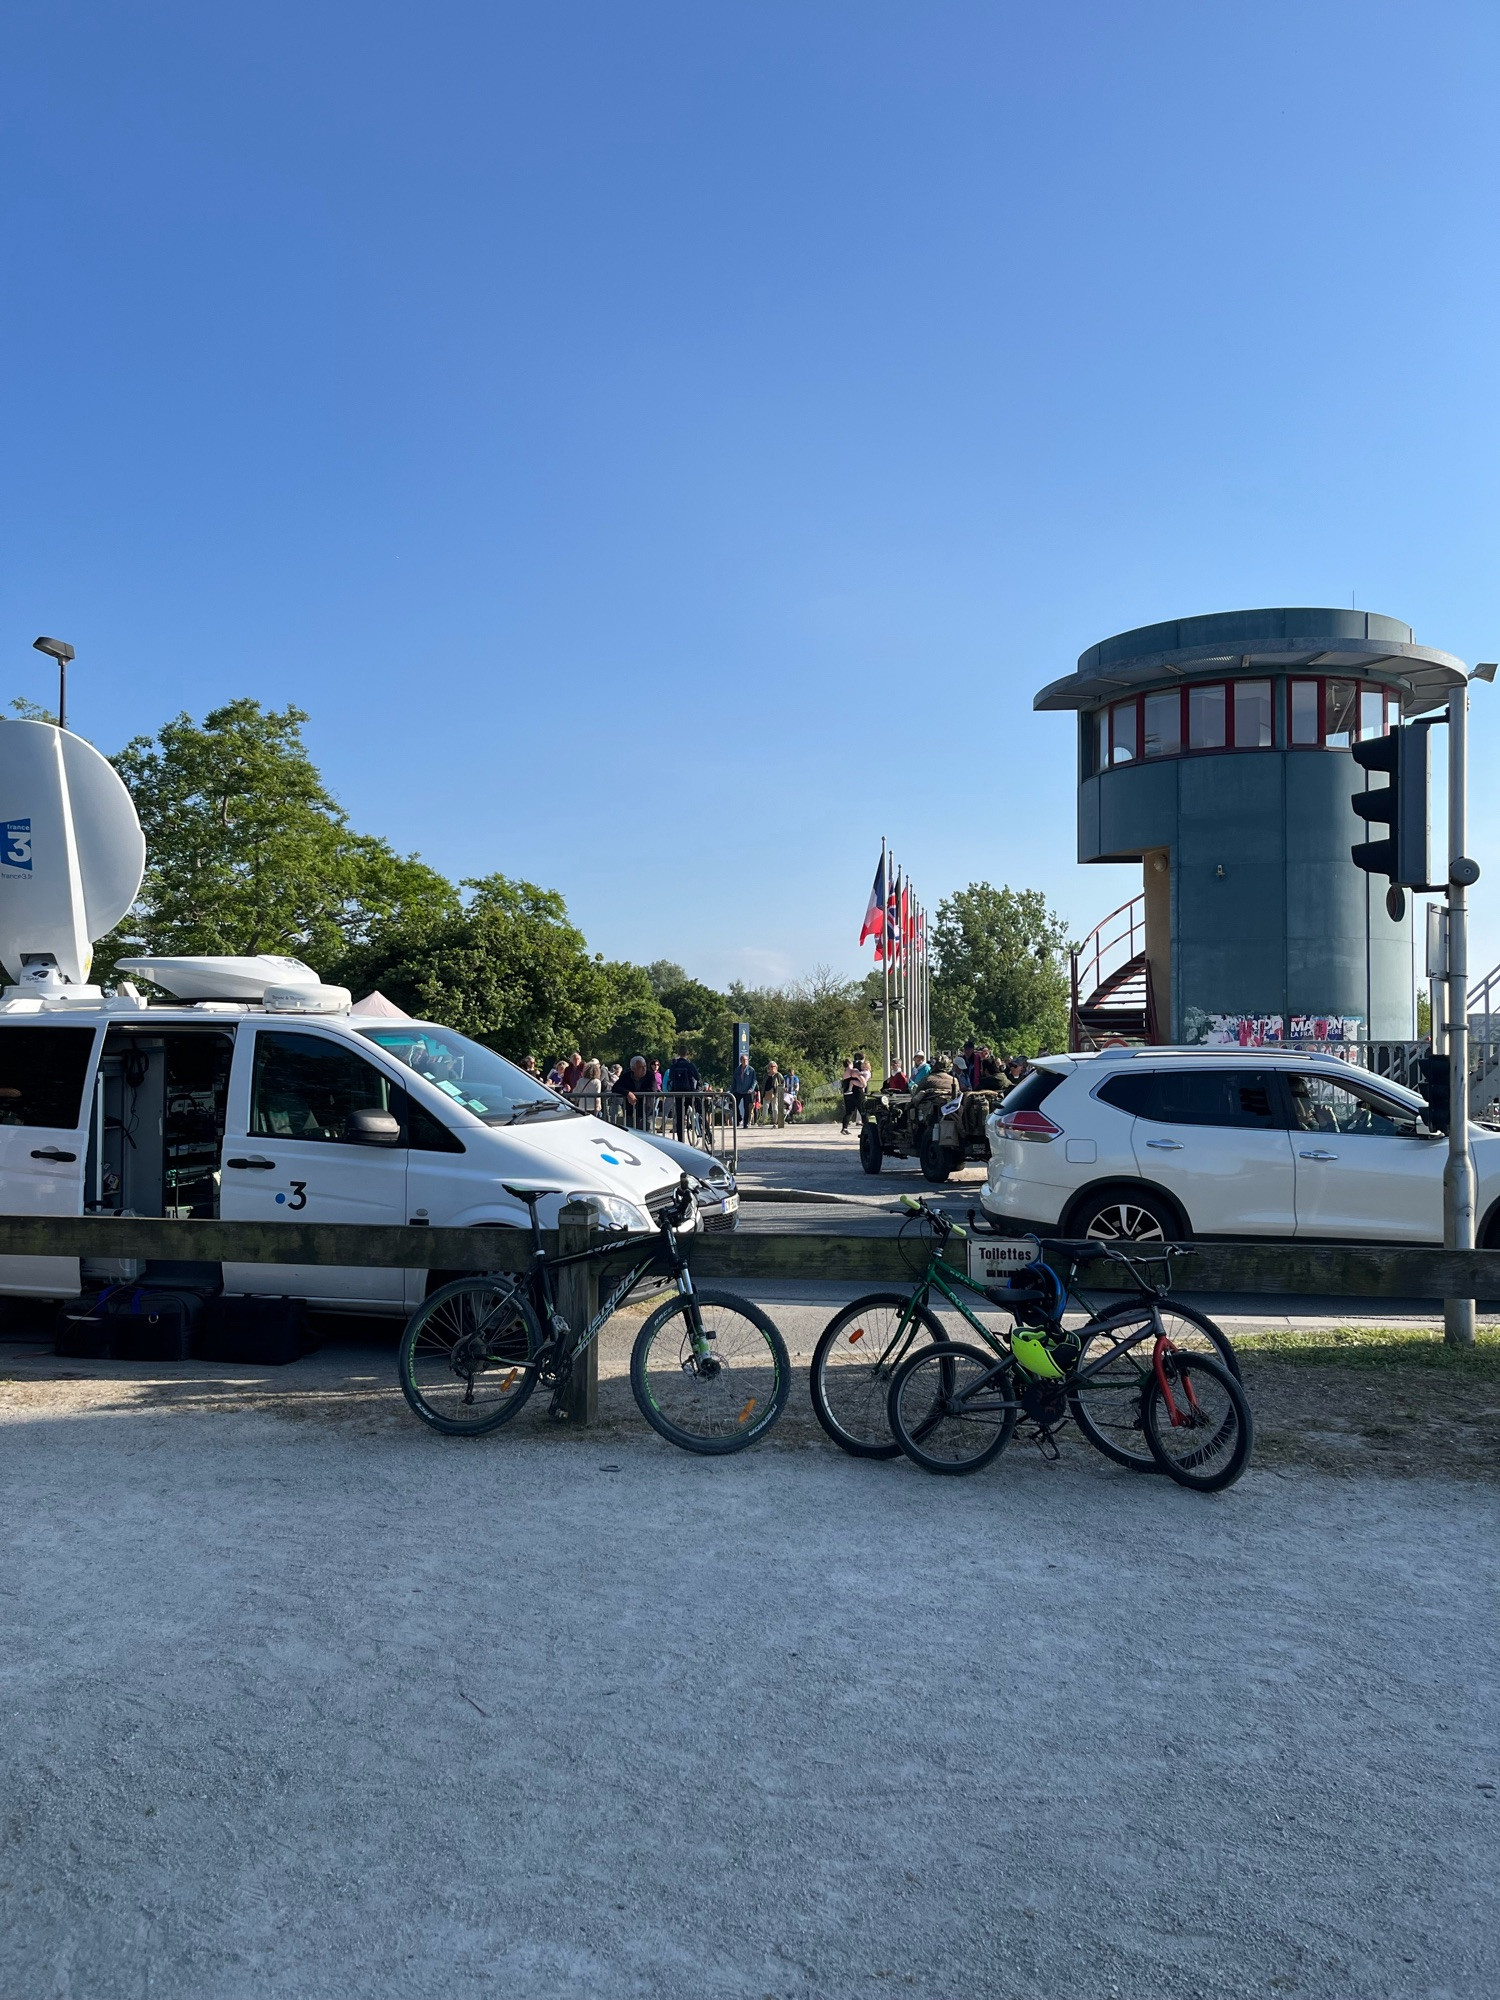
<point>1379,1347</point>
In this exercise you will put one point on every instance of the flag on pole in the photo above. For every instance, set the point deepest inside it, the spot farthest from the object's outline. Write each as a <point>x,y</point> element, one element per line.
<point>905,918</point>
<point>875,913</point>
<point>893,921</point>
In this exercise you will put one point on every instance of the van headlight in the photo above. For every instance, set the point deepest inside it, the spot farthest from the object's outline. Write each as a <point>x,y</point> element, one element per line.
<point>613,1211</point>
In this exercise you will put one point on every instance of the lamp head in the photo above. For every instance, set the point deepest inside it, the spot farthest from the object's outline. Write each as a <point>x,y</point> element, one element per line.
<point>1485,671</point>
<point>60,650</point>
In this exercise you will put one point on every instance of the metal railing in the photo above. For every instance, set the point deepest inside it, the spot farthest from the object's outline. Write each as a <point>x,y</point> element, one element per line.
<point>702,1118</point>
<point>1105,954</point>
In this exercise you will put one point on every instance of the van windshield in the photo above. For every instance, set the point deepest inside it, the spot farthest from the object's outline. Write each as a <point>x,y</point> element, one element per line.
<point>472,1075</point>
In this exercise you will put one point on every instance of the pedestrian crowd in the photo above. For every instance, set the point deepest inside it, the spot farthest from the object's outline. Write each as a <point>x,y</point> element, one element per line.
<point>773,1098</point>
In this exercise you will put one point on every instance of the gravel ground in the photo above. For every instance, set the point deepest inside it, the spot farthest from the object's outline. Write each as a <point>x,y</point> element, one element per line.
<point>299,1699</point>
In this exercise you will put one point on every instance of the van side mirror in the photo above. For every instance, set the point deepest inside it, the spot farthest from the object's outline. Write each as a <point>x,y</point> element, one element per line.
<point>372,1128</point>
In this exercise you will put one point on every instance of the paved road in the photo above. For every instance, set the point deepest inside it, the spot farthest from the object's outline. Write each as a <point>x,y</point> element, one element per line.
<point>324,1705</point>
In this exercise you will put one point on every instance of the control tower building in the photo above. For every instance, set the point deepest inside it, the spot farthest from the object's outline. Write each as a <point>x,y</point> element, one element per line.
<point>1214,751</point>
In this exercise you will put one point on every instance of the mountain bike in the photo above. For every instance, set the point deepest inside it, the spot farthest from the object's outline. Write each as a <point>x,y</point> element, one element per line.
<point>864,1345</point>
<point>709,1370</point>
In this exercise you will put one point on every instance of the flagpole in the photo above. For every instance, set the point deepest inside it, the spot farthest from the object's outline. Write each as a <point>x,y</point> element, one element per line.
<point>885,952</point>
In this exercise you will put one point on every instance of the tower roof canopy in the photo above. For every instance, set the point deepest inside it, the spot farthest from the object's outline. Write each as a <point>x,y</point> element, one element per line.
<point>1284,640</point>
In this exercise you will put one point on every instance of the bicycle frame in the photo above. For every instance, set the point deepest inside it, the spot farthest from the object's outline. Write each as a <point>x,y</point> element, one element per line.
<point>540,1276</point>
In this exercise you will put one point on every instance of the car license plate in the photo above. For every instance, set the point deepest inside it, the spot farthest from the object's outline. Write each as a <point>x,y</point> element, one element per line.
<point>731,1204</point>
<point>999,1257</point>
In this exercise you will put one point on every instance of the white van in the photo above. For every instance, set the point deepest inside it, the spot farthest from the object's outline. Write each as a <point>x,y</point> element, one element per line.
<point>259,1094</point>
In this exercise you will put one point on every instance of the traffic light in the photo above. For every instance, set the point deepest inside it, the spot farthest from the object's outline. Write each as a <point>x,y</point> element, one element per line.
<point>1435,1074</point>
<point>1402,805</point>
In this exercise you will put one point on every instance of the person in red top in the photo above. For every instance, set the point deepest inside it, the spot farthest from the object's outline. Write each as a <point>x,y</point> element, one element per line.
<point>572,1074</point>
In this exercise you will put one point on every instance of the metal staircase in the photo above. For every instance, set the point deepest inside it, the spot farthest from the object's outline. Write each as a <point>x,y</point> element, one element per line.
<point>1484,1047</point>
<point>1111,983</point>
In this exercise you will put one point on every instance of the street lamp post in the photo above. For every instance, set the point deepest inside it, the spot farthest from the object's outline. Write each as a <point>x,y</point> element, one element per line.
<point>62,652</point>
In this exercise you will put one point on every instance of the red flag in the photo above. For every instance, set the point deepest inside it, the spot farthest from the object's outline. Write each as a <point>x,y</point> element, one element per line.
<point>875,913</point>
<point>906,930</point>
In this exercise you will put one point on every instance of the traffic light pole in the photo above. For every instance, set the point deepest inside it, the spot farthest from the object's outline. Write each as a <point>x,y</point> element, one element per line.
<point>1458,1175</point>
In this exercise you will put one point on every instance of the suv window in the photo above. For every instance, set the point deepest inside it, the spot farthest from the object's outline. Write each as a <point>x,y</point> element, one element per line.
<point>42,1072</point>
<point>1243,1097</point>
<point>1030,1091</point>
<point>1324,1104</point>
<point>305,1088</point>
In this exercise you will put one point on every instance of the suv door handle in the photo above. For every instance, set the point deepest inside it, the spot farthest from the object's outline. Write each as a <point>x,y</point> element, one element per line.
<point>254,1161</point>
<point>1166,1145</point>
<point>1319,1156</point>
<point>52,1153</point>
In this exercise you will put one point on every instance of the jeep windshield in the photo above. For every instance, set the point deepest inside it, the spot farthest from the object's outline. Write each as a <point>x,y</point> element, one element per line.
<point>472,1075</point>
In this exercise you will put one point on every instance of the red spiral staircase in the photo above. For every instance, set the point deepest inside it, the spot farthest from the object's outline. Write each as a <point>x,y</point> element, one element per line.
<point>1112,998</point>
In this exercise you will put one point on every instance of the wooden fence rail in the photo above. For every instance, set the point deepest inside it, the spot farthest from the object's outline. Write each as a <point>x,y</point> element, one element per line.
<point>1270,1268</point>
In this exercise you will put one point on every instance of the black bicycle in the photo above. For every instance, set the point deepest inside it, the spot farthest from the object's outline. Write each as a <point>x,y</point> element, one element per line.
<point>864,1344</point>
<point>952,1408</point>
<point>709,1370</point>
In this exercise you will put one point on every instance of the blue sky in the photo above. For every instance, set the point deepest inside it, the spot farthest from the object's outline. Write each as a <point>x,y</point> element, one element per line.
<point>666,447</point>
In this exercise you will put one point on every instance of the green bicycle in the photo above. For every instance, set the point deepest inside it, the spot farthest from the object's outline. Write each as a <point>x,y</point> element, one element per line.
<point>1108,1382</point>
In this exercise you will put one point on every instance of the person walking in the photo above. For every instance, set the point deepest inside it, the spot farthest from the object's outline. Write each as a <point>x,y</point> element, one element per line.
<point>744,1089</point>
<point>855,1082</point>
<point>682,1079</point>
<point>772,1102</point>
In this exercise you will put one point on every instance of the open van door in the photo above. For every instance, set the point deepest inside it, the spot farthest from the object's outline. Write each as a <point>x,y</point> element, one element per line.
<point>45,1071</point>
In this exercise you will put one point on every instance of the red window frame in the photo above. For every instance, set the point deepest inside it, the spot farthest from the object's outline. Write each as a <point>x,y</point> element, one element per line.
<point>1281,725</point>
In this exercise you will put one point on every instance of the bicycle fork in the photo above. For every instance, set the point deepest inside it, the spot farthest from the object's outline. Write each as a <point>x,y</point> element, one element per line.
<point>1179,1417</point>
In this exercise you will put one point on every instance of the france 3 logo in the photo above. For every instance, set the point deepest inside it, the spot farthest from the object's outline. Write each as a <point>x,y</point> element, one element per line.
<point>15,846</point>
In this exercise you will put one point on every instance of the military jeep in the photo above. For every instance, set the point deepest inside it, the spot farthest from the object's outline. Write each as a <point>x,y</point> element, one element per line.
<point>940,1137</point>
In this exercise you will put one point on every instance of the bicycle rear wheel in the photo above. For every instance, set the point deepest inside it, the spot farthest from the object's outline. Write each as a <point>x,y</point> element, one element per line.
<point>467,1356</point>
<point>710,1372</point>
<point>857,1354</point>
<point>1203,1438</point>
<point>1106,1405</point>
<point>952,1408</point>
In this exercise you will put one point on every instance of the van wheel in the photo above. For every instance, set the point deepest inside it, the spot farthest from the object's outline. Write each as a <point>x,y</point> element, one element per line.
<point>1121,1215</point>
<point>937,1163</point>
<point>871,1152</point>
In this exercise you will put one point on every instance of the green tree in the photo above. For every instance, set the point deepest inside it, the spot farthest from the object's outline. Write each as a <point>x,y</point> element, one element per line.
<point>246,851</point>
<point>997,971</point>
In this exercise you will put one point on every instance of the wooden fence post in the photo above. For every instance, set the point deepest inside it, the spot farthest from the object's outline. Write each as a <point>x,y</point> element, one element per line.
<point>578,1301</point>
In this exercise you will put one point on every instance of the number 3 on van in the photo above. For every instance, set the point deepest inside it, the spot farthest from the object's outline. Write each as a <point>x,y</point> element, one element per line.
<point>298,1196</point>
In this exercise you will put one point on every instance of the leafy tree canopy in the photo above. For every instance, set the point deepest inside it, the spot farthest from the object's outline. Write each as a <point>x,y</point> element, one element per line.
<point>248,852</point>
<point>997,971</point>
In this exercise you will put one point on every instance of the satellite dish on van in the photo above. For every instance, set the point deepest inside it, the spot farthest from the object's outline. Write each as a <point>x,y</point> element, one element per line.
<point>72,853</point>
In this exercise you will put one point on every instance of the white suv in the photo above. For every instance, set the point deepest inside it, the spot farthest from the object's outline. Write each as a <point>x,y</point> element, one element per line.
<point>1224,1142</point>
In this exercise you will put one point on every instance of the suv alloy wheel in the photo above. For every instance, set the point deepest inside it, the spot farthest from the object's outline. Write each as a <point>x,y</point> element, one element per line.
<point>1125,1215</point>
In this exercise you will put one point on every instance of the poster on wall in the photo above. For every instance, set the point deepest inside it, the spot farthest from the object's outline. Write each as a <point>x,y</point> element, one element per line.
<point>1269,1031</point>
<point>1236,1031</point>
<point>1326,1027</point>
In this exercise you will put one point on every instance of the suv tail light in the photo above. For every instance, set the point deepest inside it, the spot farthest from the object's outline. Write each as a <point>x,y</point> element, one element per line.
<point>1029,1125</point>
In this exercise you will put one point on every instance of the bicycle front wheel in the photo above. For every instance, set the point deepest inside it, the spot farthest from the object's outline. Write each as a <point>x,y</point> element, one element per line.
<point>1199,1426</point>
<point>467,1357</point>
<point>857,1354</point>
<point>951,1408</point>
<point>710,1372</point>
<point>1110,1382</point>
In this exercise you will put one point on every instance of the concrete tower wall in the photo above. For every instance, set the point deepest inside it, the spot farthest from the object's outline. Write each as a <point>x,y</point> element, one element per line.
<point>1268,914</point>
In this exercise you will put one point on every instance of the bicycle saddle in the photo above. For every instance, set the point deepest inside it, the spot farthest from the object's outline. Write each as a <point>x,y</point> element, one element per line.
<point>531,1196</point>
